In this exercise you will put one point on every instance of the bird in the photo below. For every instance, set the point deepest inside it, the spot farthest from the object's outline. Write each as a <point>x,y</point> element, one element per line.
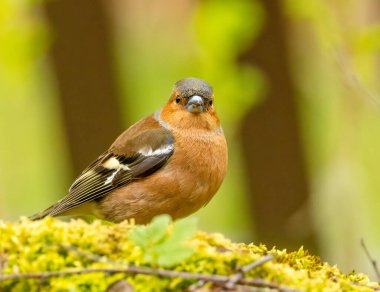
<point>171,162</point>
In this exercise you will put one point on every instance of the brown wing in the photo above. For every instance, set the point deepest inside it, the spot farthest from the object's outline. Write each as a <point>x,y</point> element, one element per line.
<point>147,153</point>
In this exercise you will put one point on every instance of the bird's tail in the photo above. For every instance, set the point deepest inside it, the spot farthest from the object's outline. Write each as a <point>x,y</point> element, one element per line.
<point>42,214</point>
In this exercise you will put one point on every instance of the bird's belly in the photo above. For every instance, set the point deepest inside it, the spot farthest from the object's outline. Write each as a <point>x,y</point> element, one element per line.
<point>179,189</point>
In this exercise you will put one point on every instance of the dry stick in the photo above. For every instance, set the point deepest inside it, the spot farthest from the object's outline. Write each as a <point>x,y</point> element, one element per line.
<point>199,284</point>
<point>202,278</point>
<point>240,275</point>
<point>230,281</point>
<point>373,262</point>
<point>234,279</point>
<point>146,271</point>
<point>255,264</point>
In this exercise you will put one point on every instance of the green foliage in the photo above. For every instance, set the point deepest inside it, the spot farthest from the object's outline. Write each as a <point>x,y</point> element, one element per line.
<point>162,242</point>
<point>23,38</point>
<point>222,42</point>
<point>333,49</point>
<point>52,245</point>
<point>28,106</point>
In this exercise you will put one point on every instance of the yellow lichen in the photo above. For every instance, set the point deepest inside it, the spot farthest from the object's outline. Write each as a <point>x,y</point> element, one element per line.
<point>53,245</point>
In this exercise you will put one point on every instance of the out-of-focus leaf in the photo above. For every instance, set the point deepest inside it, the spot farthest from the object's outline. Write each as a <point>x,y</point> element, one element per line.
<point>162,243</point>
<point>183,229</point>
<point>145,236</point>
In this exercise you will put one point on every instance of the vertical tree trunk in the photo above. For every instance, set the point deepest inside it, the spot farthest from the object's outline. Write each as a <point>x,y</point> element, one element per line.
<point>82,62</point>
<point>278,182</point>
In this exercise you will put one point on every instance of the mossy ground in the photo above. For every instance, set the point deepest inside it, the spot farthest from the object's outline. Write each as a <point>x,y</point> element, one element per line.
<point>42,246</point>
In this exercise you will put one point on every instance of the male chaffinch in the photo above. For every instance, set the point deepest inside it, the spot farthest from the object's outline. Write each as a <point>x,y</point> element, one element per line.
<point>172,162</point>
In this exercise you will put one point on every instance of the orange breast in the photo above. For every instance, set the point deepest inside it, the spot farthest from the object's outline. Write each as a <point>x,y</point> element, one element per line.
<point>186,183</point>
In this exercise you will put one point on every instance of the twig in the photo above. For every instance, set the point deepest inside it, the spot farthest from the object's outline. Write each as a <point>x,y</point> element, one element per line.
<point>197,285</point>
<point>240,275</point>
<point>256,264</point>
<point>234,279</point>
<point>147,271</point>
<point>370,258</point>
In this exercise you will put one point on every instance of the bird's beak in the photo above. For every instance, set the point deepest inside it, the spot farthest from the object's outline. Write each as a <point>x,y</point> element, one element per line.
<point>195,104</point>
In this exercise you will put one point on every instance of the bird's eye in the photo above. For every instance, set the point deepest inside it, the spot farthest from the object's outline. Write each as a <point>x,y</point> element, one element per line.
<point>210,103</point>
<point>178,99</point>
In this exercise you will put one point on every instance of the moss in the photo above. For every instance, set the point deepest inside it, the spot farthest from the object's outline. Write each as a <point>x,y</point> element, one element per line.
<point>42,246</point>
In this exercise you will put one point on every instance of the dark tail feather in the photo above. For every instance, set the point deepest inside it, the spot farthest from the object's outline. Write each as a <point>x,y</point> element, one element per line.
<point>42,214</point>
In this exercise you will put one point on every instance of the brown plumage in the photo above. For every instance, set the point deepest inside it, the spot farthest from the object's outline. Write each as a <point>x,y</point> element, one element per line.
<point>171,162</point>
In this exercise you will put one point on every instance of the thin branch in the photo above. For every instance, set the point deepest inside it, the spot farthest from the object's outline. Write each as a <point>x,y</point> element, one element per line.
<point>196,286</point>
<point>370,258</point>
<point>147,271</point>
<point>256,264</point>
<point>234,279</point>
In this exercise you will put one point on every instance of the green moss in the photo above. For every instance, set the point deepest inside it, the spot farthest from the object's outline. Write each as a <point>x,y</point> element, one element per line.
<point>53,245</point>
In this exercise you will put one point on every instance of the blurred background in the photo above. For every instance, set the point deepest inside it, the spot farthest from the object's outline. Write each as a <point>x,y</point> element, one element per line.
<point>296,86</point>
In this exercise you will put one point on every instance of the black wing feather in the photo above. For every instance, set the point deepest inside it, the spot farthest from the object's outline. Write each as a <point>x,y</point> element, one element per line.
<point>96,180</point>
<point>95,186</point>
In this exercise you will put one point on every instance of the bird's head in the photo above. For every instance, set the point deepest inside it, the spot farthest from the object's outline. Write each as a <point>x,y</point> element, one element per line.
<point>191,105</point>
<point>192,94</point>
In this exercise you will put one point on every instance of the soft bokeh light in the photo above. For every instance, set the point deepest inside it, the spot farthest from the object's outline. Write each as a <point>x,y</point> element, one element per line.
<point>334,52</point>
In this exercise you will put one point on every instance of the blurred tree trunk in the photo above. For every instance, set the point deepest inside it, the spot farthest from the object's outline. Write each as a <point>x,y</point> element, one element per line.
<point>272,145</point>
<point>83,64</point>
